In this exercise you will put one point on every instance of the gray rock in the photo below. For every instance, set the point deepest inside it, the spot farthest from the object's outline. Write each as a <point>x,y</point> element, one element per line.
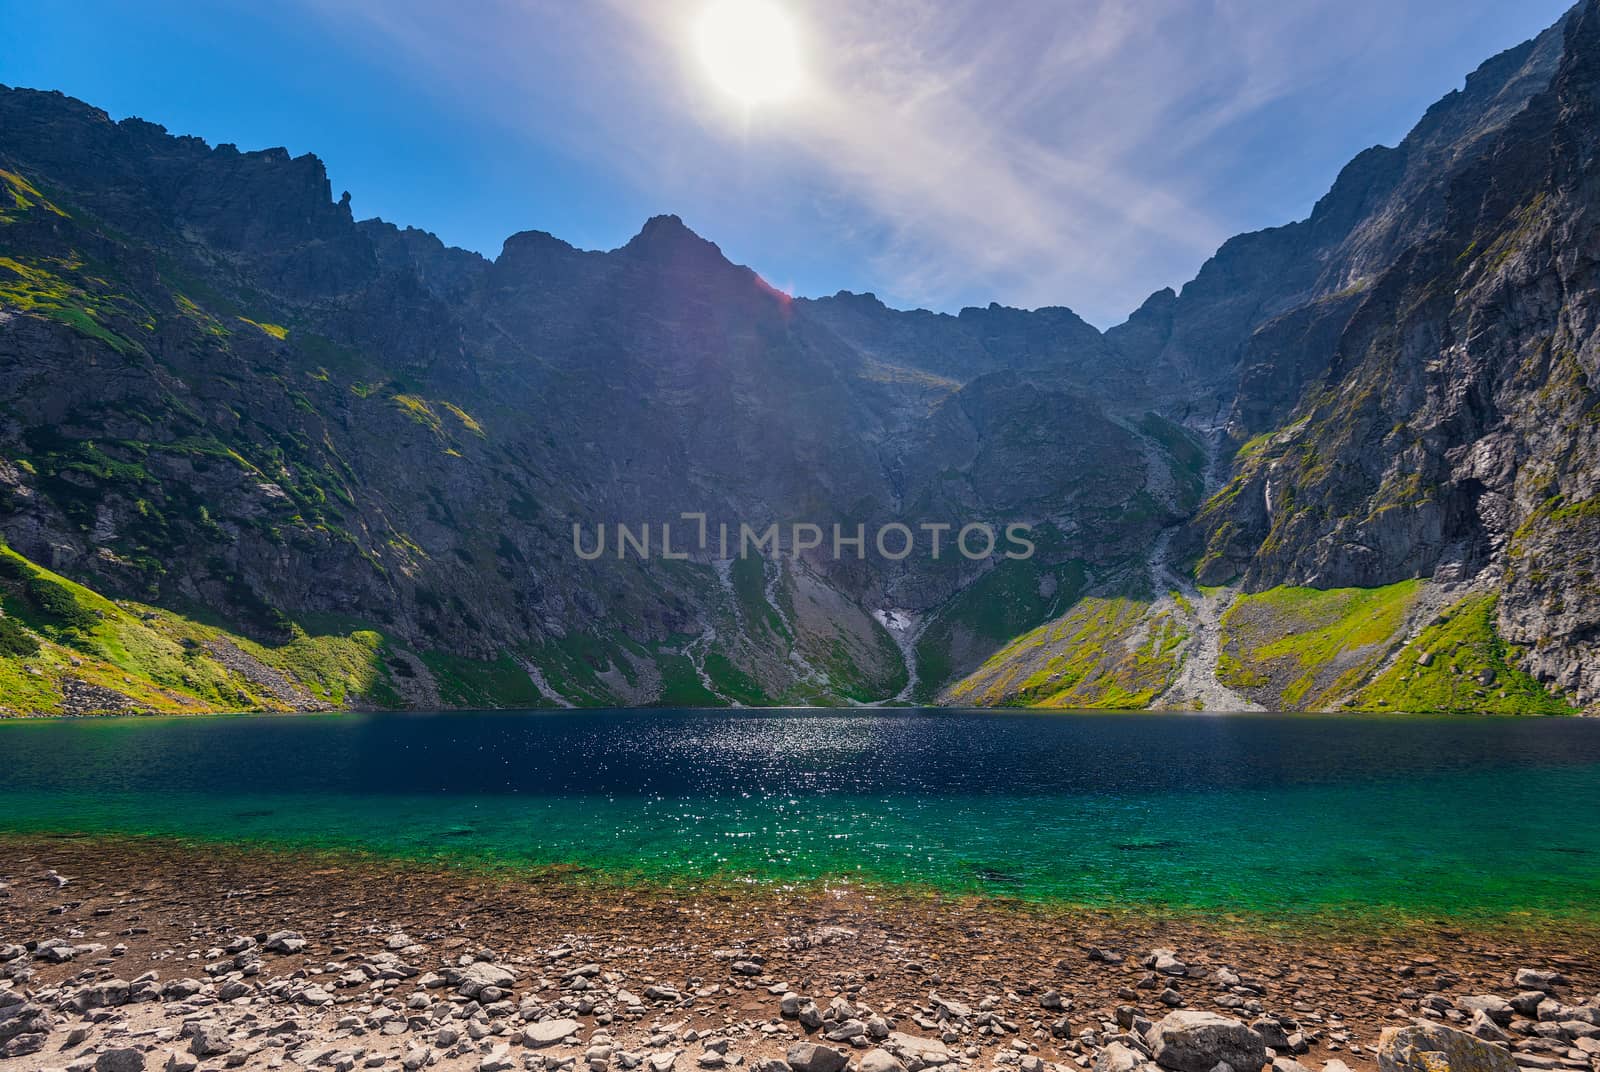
<point>1166,962</point>
<point>20,1045</point>
<point>23,1025</point>
<point>55,951</point>
<point>479,976</point>
<point>1486,1029</point>
<point>1271,1032</point>
<point>1531,979</point>
<point>209,1040</point>
<point>497,1060</point>
<point>1195,1041</point>
<point>1430,1047</point>
<point>1495,1008</point>
<point>809,1057</point>
<point>111,993</point>
<point>1119,1058</point>
<point>232,990</point>
<point>549,1033</point>
<point>916,1051</point>
<point>284,942</point>
<point>881,1061</point>
<point>181,989</point>
<point>127,1060</point>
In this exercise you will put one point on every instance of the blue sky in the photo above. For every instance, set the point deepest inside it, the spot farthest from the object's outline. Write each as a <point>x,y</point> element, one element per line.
<point>943,152</point>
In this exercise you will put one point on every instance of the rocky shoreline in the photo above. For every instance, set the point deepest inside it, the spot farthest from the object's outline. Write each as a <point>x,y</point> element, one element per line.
<point>128,955</point>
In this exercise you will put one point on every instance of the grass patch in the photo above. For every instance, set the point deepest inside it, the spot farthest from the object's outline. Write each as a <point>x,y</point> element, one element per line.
<point>1310,646</point>
<point>277,331</point>
<point>1459,663</point>
<point>483,684</point>
<point>1106,653</point>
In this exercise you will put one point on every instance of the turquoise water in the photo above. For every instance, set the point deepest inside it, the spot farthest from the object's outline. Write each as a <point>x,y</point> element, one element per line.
<point>1399,817</point>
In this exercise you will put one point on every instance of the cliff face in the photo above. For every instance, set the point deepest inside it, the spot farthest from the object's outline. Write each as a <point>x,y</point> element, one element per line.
<point>219,391</point>
<point>1444,418</point>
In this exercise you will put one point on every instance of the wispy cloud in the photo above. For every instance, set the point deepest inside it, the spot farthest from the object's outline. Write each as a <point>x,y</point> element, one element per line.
<point>1040,153</point>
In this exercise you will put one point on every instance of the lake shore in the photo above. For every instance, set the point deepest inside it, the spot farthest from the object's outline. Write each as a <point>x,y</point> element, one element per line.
<point>449,968</point>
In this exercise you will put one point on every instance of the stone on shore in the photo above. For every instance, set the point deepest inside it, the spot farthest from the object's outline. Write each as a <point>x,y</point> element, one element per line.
<point>809,1057</point>
<point>209,1040</point>
<point>24,1026</point>
<point>549,1033</point>
<point>1189,1041</point>
<point>1430,1047</point>
<point>475,978</point>
<point>1532,979</point>
<point>124,1060</point>
<point>916,1051</point>
<point>1119,1058</point>
<point>881,1061</point>
<point>284,942</point>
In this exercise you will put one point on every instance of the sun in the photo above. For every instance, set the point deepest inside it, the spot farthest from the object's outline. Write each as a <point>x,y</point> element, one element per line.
<point>749,50</point>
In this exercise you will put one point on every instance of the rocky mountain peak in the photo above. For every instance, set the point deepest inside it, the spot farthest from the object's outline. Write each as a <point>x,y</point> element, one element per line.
<point>668,238</point>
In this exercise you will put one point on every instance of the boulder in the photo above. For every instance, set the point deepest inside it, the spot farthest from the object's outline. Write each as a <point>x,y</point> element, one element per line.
<point>476,977</point>
<point>125,1060</point>
<point>1271,1032</point>
<point>1532,979</point>
<point>284,942</point>
<point>1486,1029</point>
<point>1119,1058</point>
<point>24,1026</point>
<point>1190,1041</point>
<point>209,1040</point>
<point>1495,1008</point>
<point>1166,962</point>
<point>549,1033</point>
<point>809,1057</point>
<point>881,1061</point>
<point>1430,1047</point>
<point>108,994</point>
<point>916,1051</point>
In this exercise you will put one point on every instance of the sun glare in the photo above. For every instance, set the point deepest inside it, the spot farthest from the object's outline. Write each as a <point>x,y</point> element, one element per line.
<point>749,50</point>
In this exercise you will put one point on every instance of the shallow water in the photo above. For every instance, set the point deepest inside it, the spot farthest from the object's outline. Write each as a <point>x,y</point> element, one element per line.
<point>1396,816</point>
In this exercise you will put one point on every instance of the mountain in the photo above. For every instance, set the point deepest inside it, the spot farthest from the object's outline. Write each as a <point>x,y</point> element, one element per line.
<point>275,456</point>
